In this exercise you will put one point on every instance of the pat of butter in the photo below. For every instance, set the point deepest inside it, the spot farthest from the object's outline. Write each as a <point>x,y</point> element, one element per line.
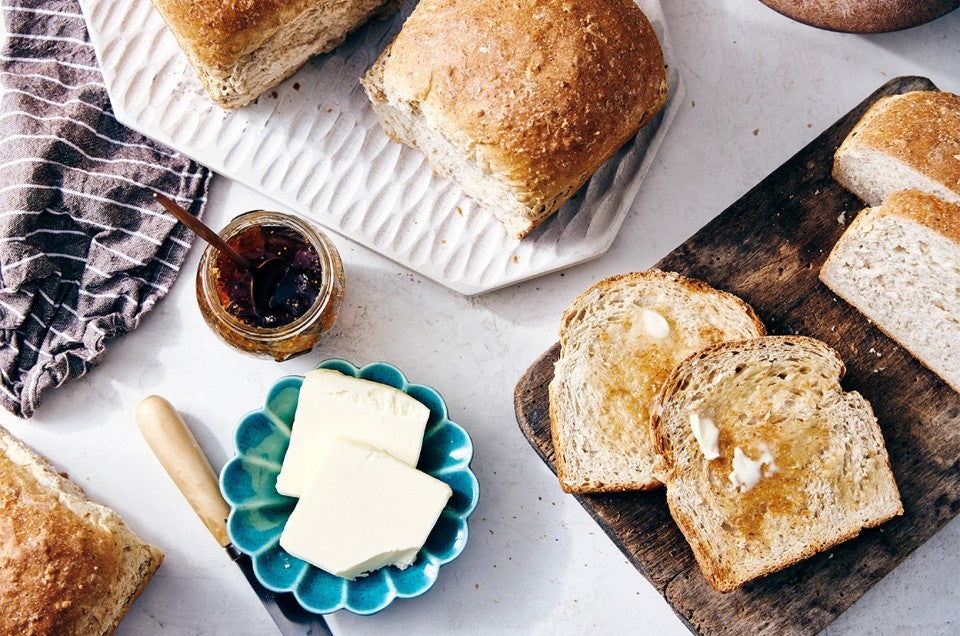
<point>332,404</point>
<point>747,472</point>
<point>707,435</point>
<point>362,511</point>
<point>654,324</point>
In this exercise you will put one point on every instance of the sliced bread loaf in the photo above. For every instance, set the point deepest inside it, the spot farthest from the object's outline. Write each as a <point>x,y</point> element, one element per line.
<point>903,141</point>
<point>519,101</point>
<point>899,264</point>
<point>241,49</point>
<point>767,460</point>
<point>619,341</point>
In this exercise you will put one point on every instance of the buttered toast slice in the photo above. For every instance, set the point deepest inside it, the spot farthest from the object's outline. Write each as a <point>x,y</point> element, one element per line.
<point>620,339</point>
<point>768,461</point>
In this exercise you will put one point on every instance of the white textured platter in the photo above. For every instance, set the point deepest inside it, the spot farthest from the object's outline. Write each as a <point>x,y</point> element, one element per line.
<point>314,145</point>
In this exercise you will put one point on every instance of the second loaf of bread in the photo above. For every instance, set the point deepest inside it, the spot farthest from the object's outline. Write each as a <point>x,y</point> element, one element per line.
<point>519,101</point>
<point>241,49</point>
<point>68,565</point>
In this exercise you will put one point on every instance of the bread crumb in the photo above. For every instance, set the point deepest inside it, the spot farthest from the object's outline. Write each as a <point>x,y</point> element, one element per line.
<point>756,131</point>
<point>842,218</point>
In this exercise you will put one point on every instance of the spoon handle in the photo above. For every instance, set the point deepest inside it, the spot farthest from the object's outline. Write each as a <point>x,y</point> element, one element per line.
<point>202,230</point>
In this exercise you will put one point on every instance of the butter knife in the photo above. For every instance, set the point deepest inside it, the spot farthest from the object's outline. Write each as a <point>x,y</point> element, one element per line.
<point>174,445</point>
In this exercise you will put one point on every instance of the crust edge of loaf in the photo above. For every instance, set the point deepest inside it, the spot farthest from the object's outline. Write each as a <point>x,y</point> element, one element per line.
<point>138,559</point>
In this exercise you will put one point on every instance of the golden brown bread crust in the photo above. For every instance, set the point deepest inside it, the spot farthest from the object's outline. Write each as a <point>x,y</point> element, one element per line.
<point>940,216</point>
<point>541,92</point>
<point>920,129</point>
<point>67,565</point>
<point>219,32</point>
<point>38,597</point>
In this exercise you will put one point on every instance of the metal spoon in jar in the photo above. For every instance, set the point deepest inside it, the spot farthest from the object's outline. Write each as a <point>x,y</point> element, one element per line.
<point>264,277</point>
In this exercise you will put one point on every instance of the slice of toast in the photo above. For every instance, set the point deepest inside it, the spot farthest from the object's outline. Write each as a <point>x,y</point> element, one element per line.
<point>797,466</point>
<point>619,341</point>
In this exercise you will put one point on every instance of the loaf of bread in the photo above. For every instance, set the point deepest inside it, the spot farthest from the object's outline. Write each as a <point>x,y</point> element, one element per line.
<point>519,101</point>
<point>863,16</point>
<point>903,141</point>
<point>899,265</point>
<point>619,340</point>
<point>240,49</point>
<point>68,566</point>
<point>768,461</point>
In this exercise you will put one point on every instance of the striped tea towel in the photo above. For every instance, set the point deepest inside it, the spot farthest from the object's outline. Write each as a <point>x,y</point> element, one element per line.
<point>84,250</point>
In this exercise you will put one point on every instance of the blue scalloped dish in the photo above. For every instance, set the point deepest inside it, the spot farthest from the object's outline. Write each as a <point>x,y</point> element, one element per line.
<point>258,513</point>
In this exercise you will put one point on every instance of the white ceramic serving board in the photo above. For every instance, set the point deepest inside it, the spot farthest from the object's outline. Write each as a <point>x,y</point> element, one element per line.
<point>314,145</point>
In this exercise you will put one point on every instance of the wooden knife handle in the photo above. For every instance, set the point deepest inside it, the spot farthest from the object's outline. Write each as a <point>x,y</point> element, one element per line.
<point>174,445</point>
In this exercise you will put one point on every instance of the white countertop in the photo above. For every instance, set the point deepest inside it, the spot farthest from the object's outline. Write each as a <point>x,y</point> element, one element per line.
<point>759,87</point>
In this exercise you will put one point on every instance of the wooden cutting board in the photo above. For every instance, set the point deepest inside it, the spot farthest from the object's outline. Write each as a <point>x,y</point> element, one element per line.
<point>767,248</point>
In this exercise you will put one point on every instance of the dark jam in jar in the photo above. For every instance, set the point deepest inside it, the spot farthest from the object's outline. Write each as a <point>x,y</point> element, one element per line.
<point>285,281</point>
<point>290,299</point>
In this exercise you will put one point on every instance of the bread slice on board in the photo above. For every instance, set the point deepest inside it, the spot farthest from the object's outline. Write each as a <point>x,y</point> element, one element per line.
<point>899,265</point>
<point>797,464</point>
<point>908,141</point>
<point>68,565</point>
<point>620,339</point>
<point>519,101</point>
<point>241,49</point>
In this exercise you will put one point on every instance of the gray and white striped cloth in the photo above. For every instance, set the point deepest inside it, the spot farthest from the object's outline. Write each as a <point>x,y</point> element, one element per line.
<point>84,250</point>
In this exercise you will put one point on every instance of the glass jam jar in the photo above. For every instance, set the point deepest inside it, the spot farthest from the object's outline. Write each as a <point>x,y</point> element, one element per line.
<point>282,309</point>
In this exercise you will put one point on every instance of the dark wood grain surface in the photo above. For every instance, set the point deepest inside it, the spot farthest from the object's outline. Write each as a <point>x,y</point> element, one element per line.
<point>767,248</point>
